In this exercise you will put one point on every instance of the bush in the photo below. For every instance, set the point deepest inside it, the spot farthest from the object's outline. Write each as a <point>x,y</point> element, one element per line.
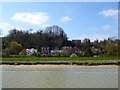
<point>17,56</point>
<point>6,52</point>
<point>82,54</point>
<point>23,52</point>
<point>37,54</point>
<point>15,48</point>
<point>64,54</point>
<point>56,54</point>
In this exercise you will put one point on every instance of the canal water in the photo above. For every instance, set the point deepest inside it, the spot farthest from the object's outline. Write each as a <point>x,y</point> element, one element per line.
<point>59,76</point>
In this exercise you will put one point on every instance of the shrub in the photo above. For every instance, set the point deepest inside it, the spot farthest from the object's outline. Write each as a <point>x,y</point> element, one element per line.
<point>6,52</point>
<point>38,54</point>
<point>23,52</point>
<point>82,54</point>
<point>64,54</point>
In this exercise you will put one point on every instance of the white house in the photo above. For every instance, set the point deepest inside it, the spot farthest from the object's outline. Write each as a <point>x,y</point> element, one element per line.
<point>56,51</point>
<point>30,51</point>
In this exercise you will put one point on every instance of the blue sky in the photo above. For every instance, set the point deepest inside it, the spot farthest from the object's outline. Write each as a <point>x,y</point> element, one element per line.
<point>94,20</point>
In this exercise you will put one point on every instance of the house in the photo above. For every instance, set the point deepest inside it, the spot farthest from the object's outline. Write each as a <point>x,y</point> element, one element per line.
<point>45,50</point>
<point>30,51</point>
<point>56,51</point>
<point>67,48</point>
<point>76,49</point>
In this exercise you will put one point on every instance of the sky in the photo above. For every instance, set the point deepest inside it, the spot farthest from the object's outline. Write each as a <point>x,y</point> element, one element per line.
<point>79,20</point>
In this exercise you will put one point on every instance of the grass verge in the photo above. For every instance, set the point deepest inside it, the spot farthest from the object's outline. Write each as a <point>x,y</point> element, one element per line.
<point>62,60</point>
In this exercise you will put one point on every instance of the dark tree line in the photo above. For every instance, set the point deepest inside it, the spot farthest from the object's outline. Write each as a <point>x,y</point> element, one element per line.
<point>54,37</point>
<point>42,38</point>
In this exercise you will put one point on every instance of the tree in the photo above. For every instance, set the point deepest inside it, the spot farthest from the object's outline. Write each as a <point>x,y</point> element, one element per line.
<point>15,48</point>
<point>112,49</point>
<point>53,37</point>
<point>86,47</point>
<point>5,44</point>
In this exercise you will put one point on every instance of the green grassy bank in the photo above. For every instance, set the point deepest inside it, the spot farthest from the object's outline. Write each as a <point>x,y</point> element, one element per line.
<point>62,60</point>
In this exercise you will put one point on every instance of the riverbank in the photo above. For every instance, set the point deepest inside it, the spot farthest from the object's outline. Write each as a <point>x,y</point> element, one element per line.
<point>79,63</point>
<point>50,67</point>
<point>82,61</point>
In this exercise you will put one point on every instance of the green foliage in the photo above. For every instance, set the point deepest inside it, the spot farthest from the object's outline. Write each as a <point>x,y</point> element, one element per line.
<point>23,52</point>
<point>112,49</point>
<point>64,54</point>
<point>82,54</point>
<point>37,54</point>
<point>6,52</point>
<point>96,52</point>
<point>55,55</point>
<point>5,44</point>
<point>15,48</point>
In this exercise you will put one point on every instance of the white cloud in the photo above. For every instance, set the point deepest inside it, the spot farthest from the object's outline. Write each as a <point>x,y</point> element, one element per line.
<point>109,13</point>
<point>36,18</point>
<point>4,28</point>
<point>106,27</point>
<point>65,19</point>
